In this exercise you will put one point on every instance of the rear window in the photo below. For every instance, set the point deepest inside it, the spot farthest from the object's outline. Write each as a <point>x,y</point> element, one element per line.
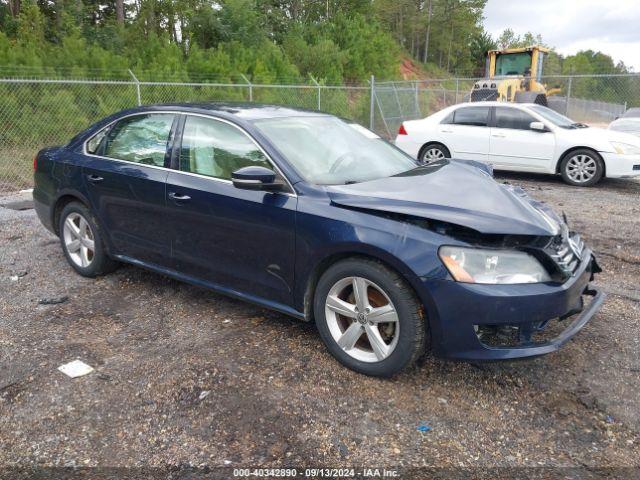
<point>140,139</point>
<point>475,116</point>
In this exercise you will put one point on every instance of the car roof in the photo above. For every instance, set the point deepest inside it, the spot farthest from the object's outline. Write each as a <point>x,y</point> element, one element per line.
<point>244,111</point>
<point>494,103</point>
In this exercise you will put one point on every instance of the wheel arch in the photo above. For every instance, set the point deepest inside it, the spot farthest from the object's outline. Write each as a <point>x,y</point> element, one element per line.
<point>64,198</point>
<point>574,149</point>
<point>432,142</point>
<point>381,257</point>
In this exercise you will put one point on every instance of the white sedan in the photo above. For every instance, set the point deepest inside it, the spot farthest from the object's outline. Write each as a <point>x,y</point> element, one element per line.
<point>523,138</point>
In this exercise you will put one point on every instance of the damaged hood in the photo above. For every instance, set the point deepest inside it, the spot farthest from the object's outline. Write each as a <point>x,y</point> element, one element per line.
<point>456,192</point>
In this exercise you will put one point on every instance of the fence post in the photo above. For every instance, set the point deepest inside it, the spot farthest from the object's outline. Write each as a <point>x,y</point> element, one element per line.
<point>250,87</point>
<point>317,85</point>
<point>457,89</point>
<point>417,100</point>
<point>566,108</point>
<point>137,86</point>
<point>372,107</point>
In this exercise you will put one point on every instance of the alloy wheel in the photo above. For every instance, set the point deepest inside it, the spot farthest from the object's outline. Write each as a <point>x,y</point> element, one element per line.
<point>433,154</point>
<point>362,319</point>
<point>581,168</point>
<point>78,240</point>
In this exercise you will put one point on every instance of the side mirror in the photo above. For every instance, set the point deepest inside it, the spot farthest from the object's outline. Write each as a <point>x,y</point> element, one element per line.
<point>538,127</point>
<point>255,178</point>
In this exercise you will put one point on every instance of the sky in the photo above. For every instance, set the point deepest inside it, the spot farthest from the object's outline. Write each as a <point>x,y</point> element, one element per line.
<point>612,27</point>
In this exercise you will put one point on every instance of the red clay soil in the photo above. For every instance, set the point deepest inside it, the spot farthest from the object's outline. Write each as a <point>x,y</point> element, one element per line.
<point>409,70</point>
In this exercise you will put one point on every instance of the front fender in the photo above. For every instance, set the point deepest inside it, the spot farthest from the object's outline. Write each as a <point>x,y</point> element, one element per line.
<point>326,233</point>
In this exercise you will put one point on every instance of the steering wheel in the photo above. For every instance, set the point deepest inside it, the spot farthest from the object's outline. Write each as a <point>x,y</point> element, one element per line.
<point>338,162</point>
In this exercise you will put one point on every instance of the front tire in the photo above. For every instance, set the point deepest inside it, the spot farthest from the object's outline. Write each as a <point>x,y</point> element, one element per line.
<point>582,168</point>
<point>82,242</point>
<point>369,317</point>
<point>433,152</point>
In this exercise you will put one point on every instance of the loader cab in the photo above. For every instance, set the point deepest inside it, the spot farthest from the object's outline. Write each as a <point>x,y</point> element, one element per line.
<point>513,75</point>
<point>522,62</point>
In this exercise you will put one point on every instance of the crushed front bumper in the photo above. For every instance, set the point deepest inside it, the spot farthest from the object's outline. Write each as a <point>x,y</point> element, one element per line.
<point>458,309</point>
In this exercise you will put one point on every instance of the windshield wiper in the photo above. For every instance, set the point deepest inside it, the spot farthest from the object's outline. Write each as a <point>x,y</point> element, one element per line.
<point>350,182</point>
<point>579,125</point>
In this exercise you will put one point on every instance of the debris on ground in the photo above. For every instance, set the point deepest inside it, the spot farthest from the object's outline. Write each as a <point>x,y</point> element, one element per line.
<point>53,300</point>
<point>76,368</point>
<point>19,205</point>
<point>423,428</point>
<point>18,275</point>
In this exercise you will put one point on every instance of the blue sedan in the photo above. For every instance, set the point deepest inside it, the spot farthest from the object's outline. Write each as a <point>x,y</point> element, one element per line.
<point>320,219</point>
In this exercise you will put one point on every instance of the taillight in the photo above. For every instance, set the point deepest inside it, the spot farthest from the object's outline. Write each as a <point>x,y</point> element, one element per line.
<point>402,130</point>
<point>35,163</point>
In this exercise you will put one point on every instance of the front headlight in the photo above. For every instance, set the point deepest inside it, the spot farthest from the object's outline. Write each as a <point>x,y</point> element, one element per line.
<point>476,265</point>
<point>625,148</point>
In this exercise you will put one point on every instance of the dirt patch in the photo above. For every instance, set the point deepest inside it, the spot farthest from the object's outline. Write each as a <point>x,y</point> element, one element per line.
<point>185,377</point>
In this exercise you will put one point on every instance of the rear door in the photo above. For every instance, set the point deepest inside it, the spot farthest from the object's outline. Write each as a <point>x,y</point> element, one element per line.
<point>242,240</point>
<point>125,173</point>
<point>514,146</point>
<point>466,133</point>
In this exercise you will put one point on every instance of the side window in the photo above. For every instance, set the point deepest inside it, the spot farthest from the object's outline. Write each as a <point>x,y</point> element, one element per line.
<point>93,144</point>
<point>217,149</point>
<point>513,118</point>
<point>448,119</point>
<point>475,116</point>
<point>140,139</point>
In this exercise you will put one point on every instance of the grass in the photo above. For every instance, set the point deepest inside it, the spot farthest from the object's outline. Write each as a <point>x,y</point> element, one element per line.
<point>16,168</point>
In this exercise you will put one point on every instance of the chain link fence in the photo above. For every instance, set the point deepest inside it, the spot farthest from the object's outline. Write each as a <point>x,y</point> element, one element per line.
<point>39,112</point>
<point>35,113</point>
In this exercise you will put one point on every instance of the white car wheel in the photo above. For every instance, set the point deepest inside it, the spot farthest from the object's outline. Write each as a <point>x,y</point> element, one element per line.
<point>433,153</point>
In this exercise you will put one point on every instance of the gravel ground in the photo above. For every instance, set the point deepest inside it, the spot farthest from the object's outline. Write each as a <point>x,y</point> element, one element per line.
<point>186,377</point>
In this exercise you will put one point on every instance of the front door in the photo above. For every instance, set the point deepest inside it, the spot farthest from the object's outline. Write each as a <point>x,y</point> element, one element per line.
<point>241,240</point>
<point>124,174</point>
<point>514,146</point>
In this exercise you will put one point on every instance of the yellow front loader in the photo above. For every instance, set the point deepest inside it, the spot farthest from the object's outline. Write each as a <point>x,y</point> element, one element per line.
<point>513,75</point>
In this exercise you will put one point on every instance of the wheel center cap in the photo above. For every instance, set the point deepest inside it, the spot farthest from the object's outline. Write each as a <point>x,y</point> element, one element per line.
<point>362,318</point>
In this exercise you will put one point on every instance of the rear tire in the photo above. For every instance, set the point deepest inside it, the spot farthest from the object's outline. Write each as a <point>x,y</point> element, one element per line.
<point>432,152</point>
<point>582,168</point>
<point>392,314</point>
<point>82,242</point>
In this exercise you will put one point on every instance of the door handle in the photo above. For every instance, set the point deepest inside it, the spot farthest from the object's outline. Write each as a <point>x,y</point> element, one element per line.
<point>94,178</point>
<point>179,198</point>
<point>499,135</point>
<point>446,131</point>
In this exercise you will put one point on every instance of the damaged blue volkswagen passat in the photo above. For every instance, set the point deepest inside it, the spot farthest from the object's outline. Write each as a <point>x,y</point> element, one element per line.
<point>320,219</point>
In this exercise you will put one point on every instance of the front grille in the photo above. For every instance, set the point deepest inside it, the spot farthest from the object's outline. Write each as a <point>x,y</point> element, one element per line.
<point>636,167</point>
<point>518,335</point>
<point>566,251</point>
<point>484,94</point>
